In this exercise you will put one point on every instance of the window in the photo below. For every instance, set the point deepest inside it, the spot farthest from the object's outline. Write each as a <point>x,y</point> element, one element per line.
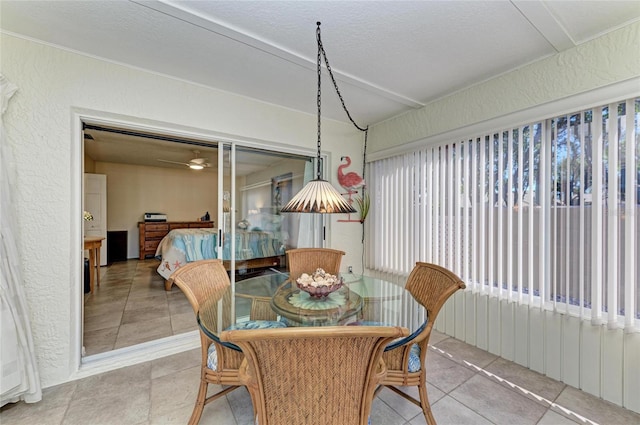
<point>544,214</point>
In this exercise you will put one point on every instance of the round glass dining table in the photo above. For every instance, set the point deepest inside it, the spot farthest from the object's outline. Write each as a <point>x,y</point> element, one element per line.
<point>273,301</point>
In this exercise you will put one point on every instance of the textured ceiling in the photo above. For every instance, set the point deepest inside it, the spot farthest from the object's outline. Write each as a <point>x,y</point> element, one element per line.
<point>388,56</point>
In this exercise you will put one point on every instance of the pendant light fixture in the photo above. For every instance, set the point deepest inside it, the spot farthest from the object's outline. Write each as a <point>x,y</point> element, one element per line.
<point>319,196</point>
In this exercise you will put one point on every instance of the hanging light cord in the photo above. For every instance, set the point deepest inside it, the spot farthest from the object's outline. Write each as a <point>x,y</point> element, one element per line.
<point>322,53</point>
<point>335,85</point>
<point>319,69</point>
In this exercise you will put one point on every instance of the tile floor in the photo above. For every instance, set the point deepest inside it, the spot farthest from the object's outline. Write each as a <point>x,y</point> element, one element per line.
<point>131,307</point>
<point>466,385</point>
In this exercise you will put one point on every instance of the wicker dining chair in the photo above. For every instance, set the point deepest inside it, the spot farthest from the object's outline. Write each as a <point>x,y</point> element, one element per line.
<point>260,307</point>
<point>331,381</point>
<point>307,260</point>
<point>205,282</point>
<point>431,286</point>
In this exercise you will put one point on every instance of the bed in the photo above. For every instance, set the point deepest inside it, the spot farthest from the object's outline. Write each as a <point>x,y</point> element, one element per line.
<point>254,249</point>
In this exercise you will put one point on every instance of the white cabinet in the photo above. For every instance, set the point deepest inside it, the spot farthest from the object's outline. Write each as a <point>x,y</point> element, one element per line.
<point>95,202</point>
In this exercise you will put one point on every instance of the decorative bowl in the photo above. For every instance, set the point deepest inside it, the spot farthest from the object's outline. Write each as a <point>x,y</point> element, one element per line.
<point>320,291</point>
<point>320,284</point>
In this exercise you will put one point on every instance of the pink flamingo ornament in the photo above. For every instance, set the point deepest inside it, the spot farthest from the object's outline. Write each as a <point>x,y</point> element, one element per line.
<point>350,181</point>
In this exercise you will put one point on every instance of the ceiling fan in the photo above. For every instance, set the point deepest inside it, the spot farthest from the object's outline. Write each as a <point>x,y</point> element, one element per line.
<point>196,163</point>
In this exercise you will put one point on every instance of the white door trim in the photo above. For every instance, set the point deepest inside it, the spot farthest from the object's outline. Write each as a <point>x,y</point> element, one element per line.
<point>80,367</point>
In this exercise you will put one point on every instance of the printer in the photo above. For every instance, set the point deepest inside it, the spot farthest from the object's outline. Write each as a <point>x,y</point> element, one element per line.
<point>154,217</point>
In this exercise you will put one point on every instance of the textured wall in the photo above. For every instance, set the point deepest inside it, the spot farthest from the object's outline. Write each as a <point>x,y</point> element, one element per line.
<point>53,82</point>
<point>133,190</point>
<point>609,59</point>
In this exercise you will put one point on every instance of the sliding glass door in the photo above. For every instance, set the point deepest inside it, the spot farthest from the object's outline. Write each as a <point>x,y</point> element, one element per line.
<point>254,185</point>
<point>205,199</point>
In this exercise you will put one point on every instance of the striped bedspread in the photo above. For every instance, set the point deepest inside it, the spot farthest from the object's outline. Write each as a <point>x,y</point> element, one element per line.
<point>182,246</point>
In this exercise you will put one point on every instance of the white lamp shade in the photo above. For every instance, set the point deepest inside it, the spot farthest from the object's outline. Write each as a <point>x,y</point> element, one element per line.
<point>318,196</point>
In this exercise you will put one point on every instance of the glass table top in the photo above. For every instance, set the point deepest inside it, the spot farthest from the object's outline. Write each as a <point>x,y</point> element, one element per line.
<point>362,300</point>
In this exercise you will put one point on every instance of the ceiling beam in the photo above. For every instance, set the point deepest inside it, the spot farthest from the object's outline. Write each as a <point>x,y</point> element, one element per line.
<point>192,17</point>
<point>545,23</point>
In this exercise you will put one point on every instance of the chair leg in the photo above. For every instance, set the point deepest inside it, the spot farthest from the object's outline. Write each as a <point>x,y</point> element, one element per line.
<point>197,409</point>
<point>424,403</point>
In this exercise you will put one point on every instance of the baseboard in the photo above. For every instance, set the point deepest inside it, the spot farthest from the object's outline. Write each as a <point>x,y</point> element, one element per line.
<point>140,353</point>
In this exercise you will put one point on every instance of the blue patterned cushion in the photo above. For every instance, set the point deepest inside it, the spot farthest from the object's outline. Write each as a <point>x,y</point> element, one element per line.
<point>285,321</point>
<point>212,357</point>
<point>212,354</point>
<point>257,324</point>
<point>414,358</point>
<point>414,352</point>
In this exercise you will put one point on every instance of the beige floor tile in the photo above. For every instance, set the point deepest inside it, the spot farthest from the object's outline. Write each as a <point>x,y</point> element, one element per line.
<point>436,337</point>
<point>184,322</point>
<point>382,413</point>
<point>593,408</point>
<point>46,411</point>
<point>461,352</point>
<point>124,266</point>
<point>146,314</point>
<point>115,269</point>
<point>121,396</point>
<point>130,287</point>
<point>108,296</point>
<point>150,263</point>
<point>445,374</point>
<point>496,403</point>
<point>404,407</point>
<point>144,278</point>
<point>117,383</point>
<point>152,301</point>
<point>219,412</point>
<point>177,362</point>
<point>145,290</point>
<point>120,284</point>
<point>130,408</point>
<point>94,309</point>
<point>447,410</point>
<point>103,321</point>
<point>553,418</point>
<point>240,402</point>
<point>115,274</point>
<point>534,385</point>
<point>115,280</point>
<point>177,416</point>
<point>111,281</point>
<point>179,304</point>
<point>100,341</point>
<point>175,390</point>
<point>53,416</point>
<point>417,420</point>
<point>137,333</point>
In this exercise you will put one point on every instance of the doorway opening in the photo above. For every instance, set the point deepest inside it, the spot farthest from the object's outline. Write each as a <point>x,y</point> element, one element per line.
<point>151,190</point>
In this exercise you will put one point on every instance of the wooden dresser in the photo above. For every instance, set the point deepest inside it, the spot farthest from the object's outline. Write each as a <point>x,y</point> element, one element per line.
<point>151,233</point>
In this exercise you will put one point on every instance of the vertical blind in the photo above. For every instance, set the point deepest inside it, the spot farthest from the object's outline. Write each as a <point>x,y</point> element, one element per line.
<point>544,214</point>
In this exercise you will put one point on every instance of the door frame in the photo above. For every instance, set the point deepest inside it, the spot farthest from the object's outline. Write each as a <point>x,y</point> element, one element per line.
<point>82,366</point>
